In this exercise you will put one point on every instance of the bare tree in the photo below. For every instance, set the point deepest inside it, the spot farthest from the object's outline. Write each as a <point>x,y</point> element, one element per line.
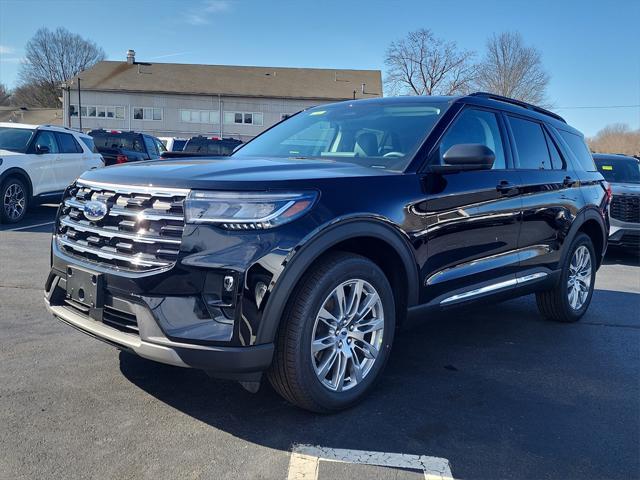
<point>511,69</point>
<point>52,57</point>
<point>616,138</point>
<point>422,64</point>
<point>5,95</point>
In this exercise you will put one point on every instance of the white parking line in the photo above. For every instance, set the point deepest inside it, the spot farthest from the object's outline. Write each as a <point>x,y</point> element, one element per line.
<point>29,226</point>
<point>305,461</point>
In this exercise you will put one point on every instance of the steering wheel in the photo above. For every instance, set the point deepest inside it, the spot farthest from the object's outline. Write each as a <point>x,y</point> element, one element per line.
<point>393,155</point>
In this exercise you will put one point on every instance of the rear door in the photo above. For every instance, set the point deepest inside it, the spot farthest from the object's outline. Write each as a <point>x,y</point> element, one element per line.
<point>72,161</point>
<point>471,219</point>
<point>551,196</point>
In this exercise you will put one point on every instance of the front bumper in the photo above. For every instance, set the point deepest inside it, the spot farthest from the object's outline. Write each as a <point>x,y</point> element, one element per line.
<point>624,234</point>
<point>134,322</point>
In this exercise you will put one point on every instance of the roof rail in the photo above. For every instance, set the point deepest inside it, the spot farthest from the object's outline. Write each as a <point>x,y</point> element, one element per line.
<point>500,98</point>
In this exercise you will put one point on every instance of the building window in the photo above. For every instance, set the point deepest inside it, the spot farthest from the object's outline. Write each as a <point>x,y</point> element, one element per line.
<point>99,111</point>
<point>199,116</point>
<point>147,113</point>
<point>247,118</point>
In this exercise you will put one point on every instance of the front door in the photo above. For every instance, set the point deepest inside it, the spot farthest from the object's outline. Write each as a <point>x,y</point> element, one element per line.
<point>470,220</point>
<point>44,160</point>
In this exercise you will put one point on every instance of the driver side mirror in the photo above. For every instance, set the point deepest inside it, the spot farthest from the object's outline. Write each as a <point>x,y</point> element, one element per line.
<point>465,157</point>
<point>41,149</point>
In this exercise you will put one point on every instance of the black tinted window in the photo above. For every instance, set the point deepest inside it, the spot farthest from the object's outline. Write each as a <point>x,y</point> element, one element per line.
<point>88,141</point>
<point>476,126</point>
<point>619,170</point>
<point>580,151</point>
<point>151,146</point>
<point>117,141</point>
<point>557,162</point>
<point>530,145</point>
<point>67,143</point>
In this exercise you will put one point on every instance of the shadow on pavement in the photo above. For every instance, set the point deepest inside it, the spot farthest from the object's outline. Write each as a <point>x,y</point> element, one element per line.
<point>622,256</point>
<point>38,219</point>
<point>497,390</point>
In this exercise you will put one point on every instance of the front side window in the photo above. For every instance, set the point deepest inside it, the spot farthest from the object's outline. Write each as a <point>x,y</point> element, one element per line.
<point>15,139</point>
<point>476,126</point>
<point>67,143</point>
<point>47,139</point>
<point>531,145</point>
<point>382,135</point>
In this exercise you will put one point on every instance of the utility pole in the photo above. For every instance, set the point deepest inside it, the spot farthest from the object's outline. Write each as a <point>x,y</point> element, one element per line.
<point>79,106</point>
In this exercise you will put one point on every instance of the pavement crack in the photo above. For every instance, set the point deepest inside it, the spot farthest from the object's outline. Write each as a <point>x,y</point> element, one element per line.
<point>20,287</point>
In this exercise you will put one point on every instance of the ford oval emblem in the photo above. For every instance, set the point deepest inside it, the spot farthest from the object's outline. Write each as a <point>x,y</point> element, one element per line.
<point>95,211</point>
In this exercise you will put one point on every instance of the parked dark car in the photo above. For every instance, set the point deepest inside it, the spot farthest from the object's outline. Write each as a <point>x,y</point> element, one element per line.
<point>623,173</point>
<point>206,147</point>
<point>300,254</point>
<point>118,146</point>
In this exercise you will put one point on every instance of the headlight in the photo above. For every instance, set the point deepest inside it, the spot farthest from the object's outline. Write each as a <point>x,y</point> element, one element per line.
<point>246,210</point>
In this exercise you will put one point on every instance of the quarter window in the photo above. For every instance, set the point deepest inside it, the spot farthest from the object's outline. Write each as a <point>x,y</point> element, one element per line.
<point>476,126</point>
<point>579,150</point>
<point>531,145</point>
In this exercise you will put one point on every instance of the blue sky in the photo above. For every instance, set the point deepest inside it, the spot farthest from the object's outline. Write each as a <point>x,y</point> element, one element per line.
<point>590,48</point>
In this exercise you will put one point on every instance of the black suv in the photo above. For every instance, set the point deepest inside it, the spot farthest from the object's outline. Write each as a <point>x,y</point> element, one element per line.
<point>118,146</point>
<point>300,254</point>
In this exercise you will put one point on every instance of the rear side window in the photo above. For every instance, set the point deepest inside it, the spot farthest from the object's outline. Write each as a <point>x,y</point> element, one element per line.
<point>531,145</point>
<point>67,143</point>
<point>88,141</point>
<point>579,150</point>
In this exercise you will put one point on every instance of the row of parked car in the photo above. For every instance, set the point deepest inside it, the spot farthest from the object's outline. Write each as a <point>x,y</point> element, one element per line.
<point>38,162</point>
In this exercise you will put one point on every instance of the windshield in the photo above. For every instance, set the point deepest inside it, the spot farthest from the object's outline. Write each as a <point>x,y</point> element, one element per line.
<point>371,134</point>
<point>619,170</point>
<point>105,141</point>
<point>15,139</point>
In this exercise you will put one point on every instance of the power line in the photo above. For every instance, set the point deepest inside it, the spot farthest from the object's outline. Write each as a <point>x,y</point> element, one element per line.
<point>598,106</point>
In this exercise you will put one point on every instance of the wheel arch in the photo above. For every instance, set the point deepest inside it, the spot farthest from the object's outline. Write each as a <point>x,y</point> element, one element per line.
<point>18,173</point>
<point>591,223</point>
<point>363,237</point>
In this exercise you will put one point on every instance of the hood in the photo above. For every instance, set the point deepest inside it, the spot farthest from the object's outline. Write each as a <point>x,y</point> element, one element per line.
<point>227,172</point>
<point>625,188</point>
<point>6,153</point>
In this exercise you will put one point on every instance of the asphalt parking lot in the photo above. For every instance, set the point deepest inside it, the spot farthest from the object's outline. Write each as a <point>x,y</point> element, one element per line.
<point>496,391</point>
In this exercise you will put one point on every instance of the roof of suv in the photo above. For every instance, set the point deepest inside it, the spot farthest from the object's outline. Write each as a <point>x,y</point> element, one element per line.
<point>483,99</point>
<point>54,128</point>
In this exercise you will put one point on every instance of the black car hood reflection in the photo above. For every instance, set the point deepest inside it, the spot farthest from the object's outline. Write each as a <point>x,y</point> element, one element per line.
<point>199,173</point>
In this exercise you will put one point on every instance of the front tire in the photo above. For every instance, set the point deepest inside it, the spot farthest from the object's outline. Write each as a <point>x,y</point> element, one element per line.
<point>336,334</point>
<point>14,198</point>
<point>570,298</point>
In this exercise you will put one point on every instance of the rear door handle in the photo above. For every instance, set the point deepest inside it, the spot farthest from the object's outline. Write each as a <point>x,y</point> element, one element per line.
<point>506,188</point>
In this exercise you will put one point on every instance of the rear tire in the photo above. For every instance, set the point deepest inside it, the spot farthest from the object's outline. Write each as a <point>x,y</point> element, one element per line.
<point>323,360</point>
<point>570,298</point>
<point>14,200</point>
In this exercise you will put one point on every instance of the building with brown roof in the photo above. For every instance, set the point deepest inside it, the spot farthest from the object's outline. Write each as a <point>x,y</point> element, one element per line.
<point>171,99</point>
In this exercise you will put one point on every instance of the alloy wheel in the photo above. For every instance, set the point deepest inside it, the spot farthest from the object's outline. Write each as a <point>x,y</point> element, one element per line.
<point>579,281</point>
<point>347,335</point>
<point>14,201</point>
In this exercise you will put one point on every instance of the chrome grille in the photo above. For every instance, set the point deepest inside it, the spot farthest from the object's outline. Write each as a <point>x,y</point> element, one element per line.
<point>141,231</point>
<point>625,208</point>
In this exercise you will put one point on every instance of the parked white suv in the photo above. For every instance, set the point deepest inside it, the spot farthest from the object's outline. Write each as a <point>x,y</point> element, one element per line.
<point>37,163</point>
